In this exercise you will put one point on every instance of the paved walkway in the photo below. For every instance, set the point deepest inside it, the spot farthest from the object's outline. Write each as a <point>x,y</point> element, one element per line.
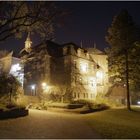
<point>45,124</point>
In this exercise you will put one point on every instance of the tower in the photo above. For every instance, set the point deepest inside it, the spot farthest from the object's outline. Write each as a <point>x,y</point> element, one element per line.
<point>28,43</point>
<point>81,44</point>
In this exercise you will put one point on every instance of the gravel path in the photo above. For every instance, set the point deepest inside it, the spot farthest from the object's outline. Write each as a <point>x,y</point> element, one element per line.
<point>45,124</point>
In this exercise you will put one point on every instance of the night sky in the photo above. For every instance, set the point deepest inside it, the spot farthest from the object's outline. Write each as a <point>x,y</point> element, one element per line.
<point>88,22</point>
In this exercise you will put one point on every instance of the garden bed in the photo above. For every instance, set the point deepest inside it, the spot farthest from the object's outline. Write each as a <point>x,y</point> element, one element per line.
<point>78,106</point>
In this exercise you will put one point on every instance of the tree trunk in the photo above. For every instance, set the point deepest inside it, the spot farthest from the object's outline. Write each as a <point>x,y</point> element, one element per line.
<point>10,95</point>
<point>127,82</point>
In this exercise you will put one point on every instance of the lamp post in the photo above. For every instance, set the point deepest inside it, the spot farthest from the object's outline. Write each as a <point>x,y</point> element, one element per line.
<point>33,87</point>
<point>44,87</point>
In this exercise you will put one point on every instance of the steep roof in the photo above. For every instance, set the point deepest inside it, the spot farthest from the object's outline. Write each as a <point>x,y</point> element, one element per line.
<point>94,50</point>
<point>56,50</point>
<point>53,49</point>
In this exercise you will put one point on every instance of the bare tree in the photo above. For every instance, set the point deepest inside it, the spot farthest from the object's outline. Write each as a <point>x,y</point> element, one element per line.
<point>3,53</point>
<point>19,17</point>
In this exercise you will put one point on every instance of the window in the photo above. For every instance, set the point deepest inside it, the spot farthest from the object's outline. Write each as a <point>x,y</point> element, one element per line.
<point>74,95</point>
<point>87,55</point>
<point>84,95</point>
<point>79,52</point>
<point>99,76</point>
<point>79,79</point>
<point>75,65</point>
<point>65,50</point>
<point>78,95</point>
<point>92,82</point>
<point>83,67</point>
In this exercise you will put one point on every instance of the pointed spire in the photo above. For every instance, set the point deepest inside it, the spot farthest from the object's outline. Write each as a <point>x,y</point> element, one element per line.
<point>81,44</point>
<point>28,43</point>
<point>94,45</point>
<point>28,36</point>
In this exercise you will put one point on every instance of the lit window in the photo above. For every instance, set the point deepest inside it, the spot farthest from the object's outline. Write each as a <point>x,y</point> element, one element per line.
<point>99,76</point>
<point>79,79</point>
<point>15,68</point>
<point>84,67</point>
<point>87,55</point>
<point>92,81</point>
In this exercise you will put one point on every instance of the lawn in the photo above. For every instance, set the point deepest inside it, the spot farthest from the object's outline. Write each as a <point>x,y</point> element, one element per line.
<point>116,123</point>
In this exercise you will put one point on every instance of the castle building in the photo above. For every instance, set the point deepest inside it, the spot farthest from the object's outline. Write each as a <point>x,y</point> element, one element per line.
<point>51,68</point>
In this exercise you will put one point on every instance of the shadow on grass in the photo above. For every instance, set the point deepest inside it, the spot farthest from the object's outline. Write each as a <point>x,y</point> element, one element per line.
<point>93,110</point>
<point>134,110</point>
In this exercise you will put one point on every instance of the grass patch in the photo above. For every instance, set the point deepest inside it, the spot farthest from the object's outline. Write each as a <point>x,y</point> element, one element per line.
<point>116,123</point>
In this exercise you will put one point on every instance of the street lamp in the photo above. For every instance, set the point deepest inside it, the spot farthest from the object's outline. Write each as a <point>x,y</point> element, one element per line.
<point>44,84</point>
<point>33,89</point>
<point>45,87</point>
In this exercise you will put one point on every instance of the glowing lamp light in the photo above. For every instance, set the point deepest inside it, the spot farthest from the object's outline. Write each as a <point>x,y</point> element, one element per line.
<point>33,87</point>
<point>44,84</point>
<point>45,87</point>
<point>138,102</point>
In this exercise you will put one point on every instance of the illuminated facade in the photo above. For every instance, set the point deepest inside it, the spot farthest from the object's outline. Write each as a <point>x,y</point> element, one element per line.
<point>81,73</point>
<point>12,65</point>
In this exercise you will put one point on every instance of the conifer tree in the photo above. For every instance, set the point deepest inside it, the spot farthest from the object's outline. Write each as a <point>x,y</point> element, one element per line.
<point>121,37</point>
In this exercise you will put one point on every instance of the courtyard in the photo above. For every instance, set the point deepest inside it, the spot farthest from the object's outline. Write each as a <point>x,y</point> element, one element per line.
<point>112,123</point>
<point>45,124</point>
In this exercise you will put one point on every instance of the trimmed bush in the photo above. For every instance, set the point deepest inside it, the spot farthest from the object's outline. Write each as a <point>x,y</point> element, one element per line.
<point>58,105</point>
<point>91,105</point>
<point>13,113</point>
<point>74,106</point>
<point>39,106</point>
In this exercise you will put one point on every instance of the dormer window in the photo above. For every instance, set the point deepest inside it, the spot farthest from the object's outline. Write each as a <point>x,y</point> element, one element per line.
<point>79,52</point>
<point>65,50</point>
<point>87,55</point>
